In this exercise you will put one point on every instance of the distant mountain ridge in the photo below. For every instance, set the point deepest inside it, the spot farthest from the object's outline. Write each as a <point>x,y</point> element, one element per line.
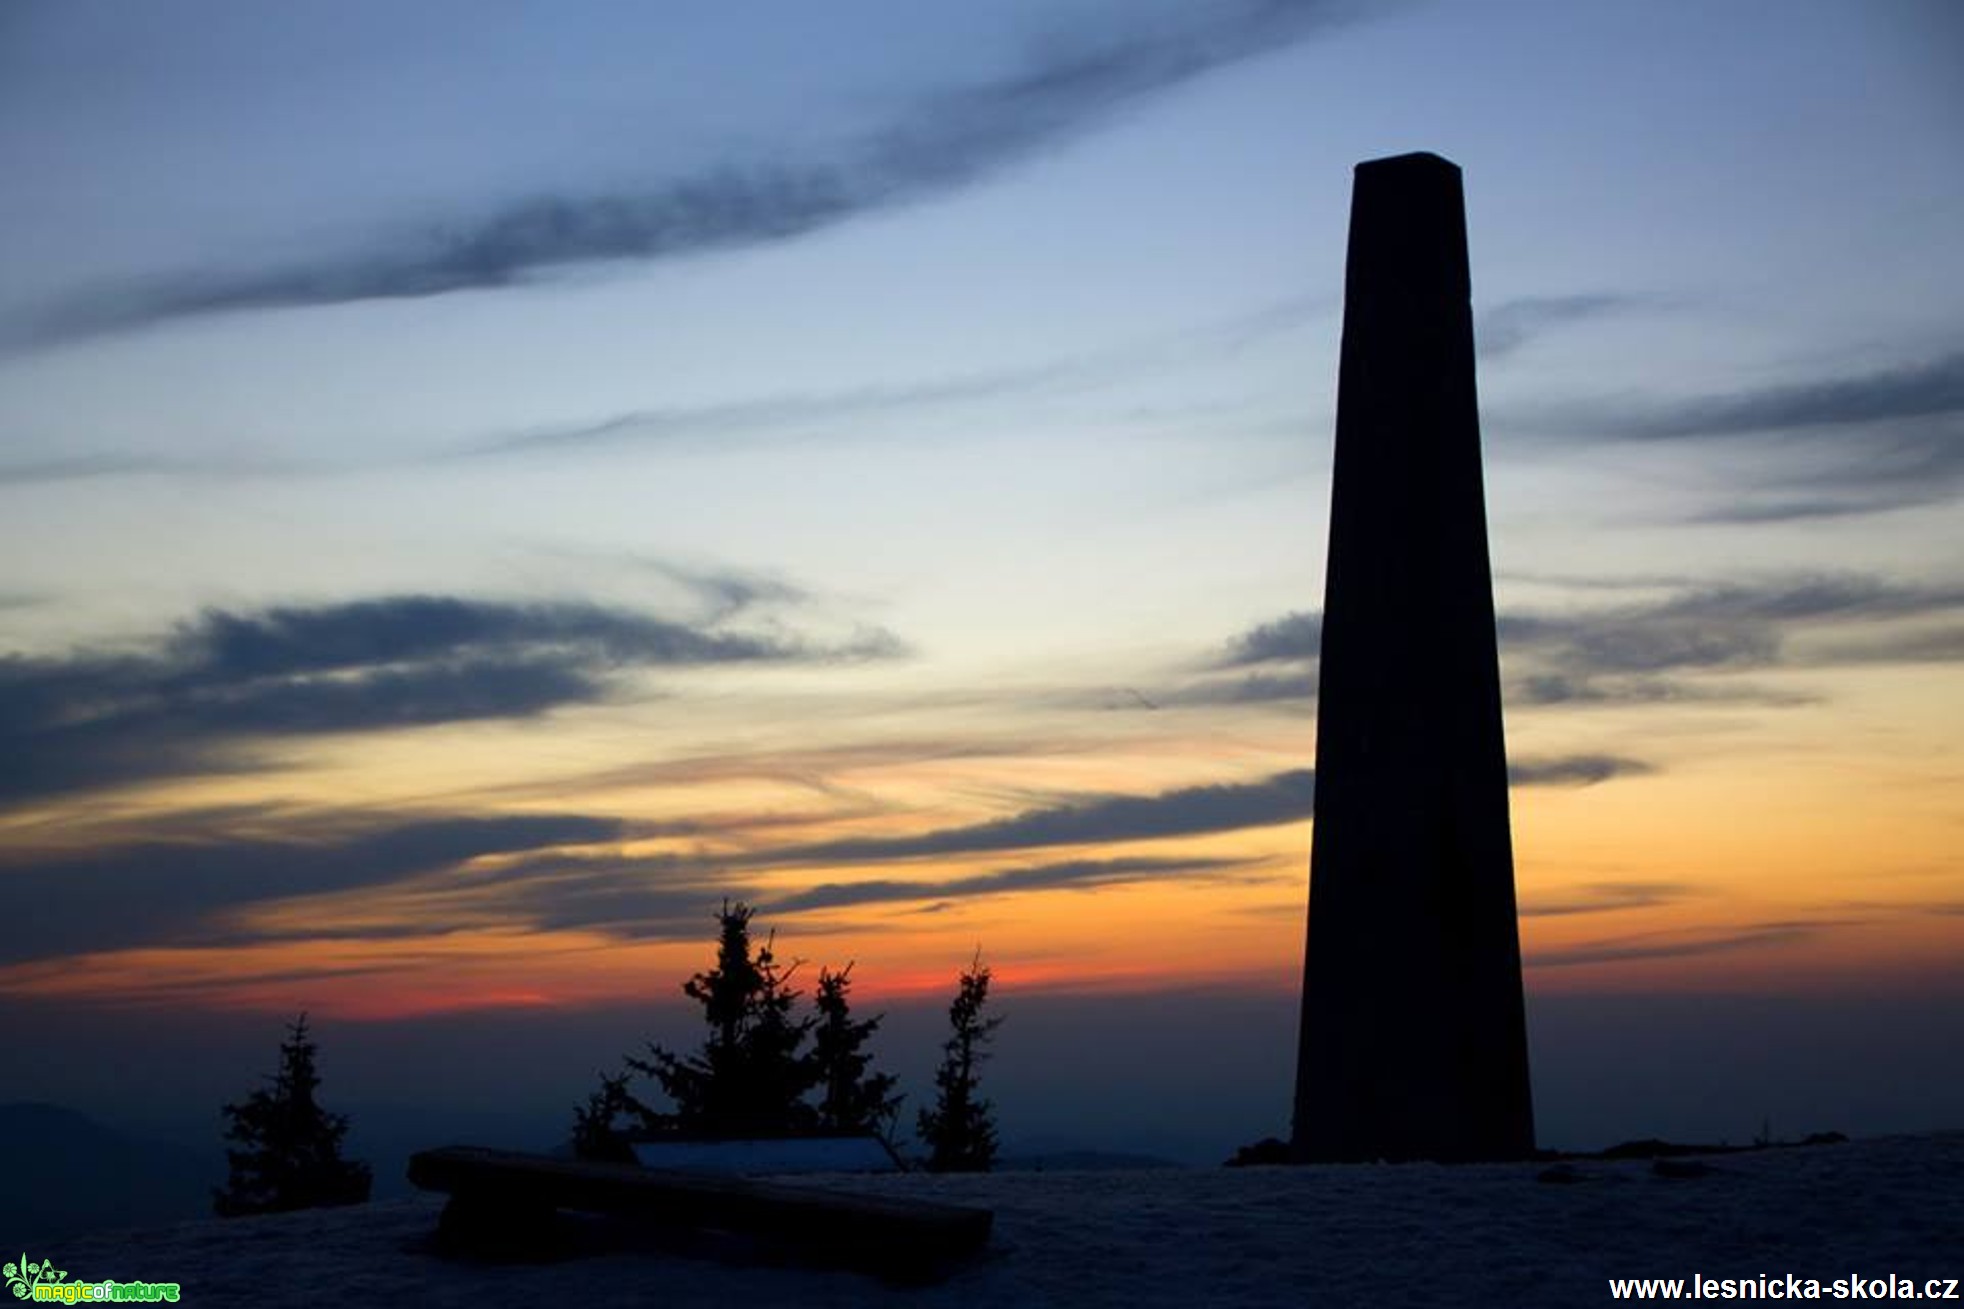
<point>68,1174</point>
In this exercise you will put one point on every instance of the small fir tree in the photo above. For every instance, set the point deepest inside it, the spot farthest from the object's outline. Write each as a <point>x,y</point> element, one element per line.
<point>959,1131</point>
<point>852,1098</point>
<point>596,1133</point>
<point>289,1148</point>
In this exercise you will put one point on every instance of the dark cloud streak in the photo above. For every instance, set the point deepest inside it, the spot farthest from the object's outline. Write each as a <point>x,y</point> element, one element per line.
<point>1919,390</point>
<point>1190,811</point>
<point>1653,651</point>
<point>1072,874</point>
<point>941,144</point>
<point>1510,325</point>
<point>1674,946</point>
<point>1574,770</point>
<point>1294,636</point>
<point>225,681</point>
<point>1855,443</point>
<point>1255,688</point>
<point>1607,897</point>
<point>178,892</point>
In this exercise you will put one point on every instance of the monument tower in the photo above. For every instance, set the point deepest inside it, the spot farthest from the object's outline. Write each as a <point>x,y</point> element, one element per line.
<point>1414,1040</point>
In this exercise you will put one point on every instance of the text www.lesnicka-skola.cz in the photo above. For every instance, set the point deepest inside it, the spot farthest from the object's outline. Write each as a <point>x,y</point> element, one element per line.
<point>1790,1287</point>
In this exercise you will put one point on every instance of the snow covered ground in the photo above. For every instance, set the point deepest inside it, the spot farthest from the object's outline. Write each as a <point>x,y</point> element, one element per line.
<point>1363,1235</point>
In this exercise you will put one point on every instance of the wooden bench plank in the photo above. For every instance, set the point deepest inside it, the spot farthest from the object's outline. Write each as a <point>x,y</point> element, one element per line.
<point>860,1230</point>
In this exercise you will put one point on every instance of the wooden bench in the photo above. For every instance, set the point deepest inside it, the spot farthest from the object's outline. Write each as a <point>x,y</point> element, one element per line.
<point>505,1201</point>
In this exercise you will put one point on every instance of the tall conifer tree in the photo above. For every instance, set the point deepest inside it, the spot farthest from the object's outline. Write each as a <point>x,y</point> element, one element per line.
<point>289,1148</point>
<point>960,1130</point>
<point>752,1073</point>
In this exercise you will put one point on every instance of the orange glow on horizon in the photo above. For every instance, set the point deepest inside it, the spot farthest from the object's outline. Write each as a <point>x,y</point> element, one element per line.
<point>1740,861</point>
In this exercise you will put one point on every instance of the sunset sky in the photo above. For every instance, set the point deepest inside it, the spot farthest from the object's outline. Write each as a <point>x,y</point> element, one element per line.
<point>481,484</point>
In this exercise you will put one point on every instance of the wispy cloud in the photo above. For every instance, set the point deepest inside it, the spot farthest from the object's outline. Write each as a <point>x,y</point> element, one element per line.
<point>104,464</point>
<point>1676,945</point>
<point>1870,468</point>
<point>1079,874</point>
<point>1654,651</point>
<point>1294,636</point>
<point>192,700</point>
<point>772,414</point>
<point>1511,324</point>
<point>1919,390</point>
<point>942,143</point>
<point>1857,442</point>
<point>1189,811</point>
<point>1730,626</point>
<point>826,770</point>
<point>671,896</point>
<point>1580,691</point>
<point>663,896</point>
<point>790,414</point>
<point>1651,639</point>
<point>1297,688</point>
<point>1606,897</point>
<point>1574,770</point>
<point>179,892</point>
<point>797,413</point>
<point>1272,662</point>
<point>77,468</point>
<point>1941,645</point>
<point>722,592</point>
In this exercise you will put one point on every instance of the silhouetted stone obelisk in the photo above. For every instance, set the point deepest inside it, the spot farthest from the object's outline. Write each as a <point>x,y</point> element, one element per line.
<point>1414,1041</point>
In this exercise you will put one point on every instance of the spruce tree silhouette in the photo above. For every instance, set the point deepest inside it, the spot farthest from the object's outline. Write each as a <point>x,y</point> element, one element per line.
<point>751,1075</point>
<point>959,1131</point>
<point>852,1098</point>
<point>289,1154</point>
